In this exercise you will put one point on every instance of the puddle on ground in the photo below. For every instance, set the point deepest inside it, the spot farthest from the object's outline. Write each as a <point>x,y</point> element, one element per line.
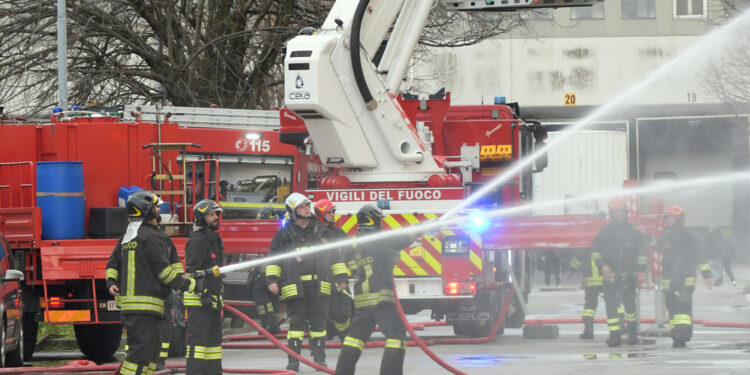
<point>484,359</point>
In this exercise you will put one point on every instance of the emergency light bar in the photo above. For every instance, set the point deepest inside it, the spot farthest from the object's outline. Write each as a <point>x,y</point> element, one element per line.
<point>508,5</point>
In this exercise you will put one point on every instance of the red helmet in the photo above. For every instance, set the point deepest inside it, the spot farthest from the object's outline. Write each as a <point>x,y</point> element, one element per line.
<point>676,211</point>
<point>617,203</point>
<point>322,206</point>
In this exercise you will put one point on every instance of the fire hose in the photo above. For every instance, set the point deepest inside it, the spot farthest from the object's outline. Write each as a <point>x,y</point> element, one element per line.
<point>416,340</point>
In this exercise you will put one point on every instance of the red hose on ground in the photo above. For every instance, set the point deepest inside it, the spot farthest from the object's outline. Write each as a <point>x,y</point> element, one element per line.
<point>538,322</point>
<point>417,327</point>
<point>276,342</point>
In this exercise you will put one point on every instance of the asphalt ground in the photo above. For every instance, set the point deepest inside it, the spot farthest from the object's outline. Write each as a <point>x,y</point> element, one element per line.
<point>713,350</point>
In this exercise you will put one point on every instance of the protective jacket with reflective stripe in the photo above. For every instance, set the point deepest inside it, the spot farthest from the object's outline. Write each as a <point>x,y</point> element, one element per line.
<point>372,263</point>
<point>681,256</point>
<point>204,250</point>
<point>620,246</point>
<point>141,268</point>
<point>591,274</point>
<point>318,267</point>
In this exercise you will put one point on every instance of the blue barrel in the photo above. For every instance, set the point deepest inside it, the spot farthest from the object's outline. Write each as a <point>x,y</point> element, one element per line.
<point>59,193</point>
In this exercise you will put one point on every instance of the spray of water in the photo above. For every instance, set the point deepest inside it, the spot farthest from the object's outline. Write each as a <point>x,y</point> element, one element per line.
<point>711,40</point>
<point>434,225</point>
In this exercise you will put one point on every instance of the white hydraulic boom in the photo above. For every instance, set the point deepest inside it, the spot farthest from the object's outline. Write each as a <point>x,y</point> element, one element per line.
<point>349,104</point>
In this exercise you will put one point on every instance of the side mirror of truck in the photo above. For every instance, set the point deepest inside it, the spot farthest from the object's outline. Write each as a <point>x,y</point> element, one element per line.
<point>13,275</point>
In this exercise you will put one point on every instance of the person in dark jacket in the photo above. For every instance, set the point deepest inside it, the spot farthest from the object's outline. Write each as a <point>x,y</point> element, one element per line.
<point>342,303</point>
<point>592,286</point>
<point>722,250</point>
<point>372,265</point>
<point>173,309</point>
<point>681,256</point>
<point>138,274</point>
<point>204,251</point>
<point>305,280</point>
<point>266,303</point>
<point>619,251</point>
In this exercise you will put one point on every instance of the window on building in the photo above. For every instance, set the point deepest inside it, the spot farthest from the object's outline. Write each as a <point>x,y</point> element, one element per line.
<point>594,12</point>
<point>540,14</point>
<point>689,8</point>
<point>633,9</point>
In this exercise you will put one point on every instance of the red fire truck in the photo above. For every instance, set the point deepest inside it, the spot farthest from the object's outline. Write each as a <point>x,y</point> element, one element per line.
<point>230,156</point>
<point>421,158</point>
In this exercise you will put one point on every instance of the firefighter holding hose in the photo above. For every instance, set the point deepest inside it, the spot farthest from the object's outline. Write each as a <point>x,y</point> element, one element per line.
<point>305,280</point>
<point>138,272</point>
<point>619,251</point>
<point>204,251</point>
<point>680,258</point>
<point>372,265</point>
<point>342,303</point>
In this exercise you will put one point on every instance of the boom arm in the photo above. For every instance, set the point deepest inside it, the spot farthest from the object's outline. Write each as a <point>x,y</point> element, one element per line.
<point>349,105</point>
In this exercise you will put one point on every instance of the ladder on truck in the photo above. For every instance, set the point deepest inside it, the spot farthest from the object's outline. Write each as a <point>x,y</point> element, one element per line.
<point>185,184</point>
<point>204,117</point>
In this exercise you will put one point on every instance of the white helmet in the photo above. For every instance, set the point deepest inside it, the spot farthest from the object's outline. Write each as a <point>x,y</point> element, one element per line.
<point>293,201</point>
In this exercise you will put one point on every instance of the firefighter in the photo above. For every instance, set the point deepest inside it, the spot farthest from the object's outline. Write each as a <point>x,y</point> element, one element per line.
<point>342,303</point>
<point>680,258</point>
<point>305,280</point>
<point>137,272</point>
<point>619,252</point>
<point>266,303</point>
<point>372,265</point>
<point>592,286</point>
<point>172,307</point>
<point>203,251</point>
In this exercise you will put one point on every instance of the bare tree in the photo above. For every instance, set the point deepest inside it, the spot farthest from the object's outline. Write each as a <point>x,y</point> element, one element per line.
<point>727,75</point>
<point>180,52</point>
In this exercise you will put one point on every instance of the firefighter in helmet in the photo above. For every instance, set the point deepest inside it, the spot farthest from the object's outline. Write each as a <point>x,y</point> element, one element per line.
<point>139,273</point>
<point>342,303</point>
<point>592,286</point>
<point>680,258</point>
<point>305,280</point>
<point>619,252</point>
<point>266,303</point>
<point>372,265</point>
<point>204,251</point>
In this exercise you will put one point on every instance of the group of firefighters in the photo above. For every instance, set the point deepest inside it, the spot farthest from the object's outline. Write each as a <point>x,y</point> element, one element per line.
<point>616,265</point>
<point>144,268</point>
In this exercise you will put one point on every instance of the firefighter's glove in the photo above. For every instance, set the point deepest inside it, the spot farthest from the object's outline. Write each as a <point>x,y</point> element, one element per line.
<point>210,300</point>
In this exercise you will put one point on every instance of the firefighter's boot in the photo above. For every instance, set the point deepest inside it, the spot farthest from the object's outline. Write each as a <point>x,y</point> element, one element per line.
<point>393,358</point>
<point>614,339</point>
<point>318,349</point>
<point>270,323</point>
<point>632,333</point>
<point>296,346</point>
<point>588,328</point>
<point>350,352</point>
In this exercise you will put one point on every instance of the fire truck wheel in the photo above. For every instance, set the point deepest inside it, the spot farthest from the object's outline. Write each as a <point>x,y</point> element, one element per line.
<point>462,328</point>
<point>516,319</point>
<point>13,357</point>
<point>98,342</point>
<point>488,309</point>
<point>30,329</point>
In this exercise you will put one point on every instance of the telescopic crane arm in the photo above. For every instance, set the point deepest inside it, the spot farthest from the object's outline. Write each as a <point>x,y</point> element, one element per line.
<point>349,104</point>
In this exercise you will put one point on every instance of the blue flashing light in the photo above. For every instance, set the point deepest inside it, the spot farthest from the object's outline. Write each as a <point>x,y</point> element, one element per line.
<point>499,100</point>
<point>75,107</point>
<point>478,222</point>
<point>57,110</point>
<point>384,204</point>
